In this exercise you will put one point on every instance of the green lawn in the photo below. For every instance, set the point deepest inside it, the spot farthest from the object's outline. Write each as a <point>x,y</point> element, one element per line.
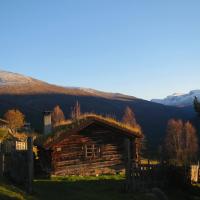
<point>87,188</point>
<point>9,192</point>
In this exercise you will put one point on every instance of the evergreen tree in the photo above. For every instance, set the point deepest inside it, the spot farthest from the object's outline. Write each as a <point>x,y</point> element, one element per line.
<point>197,105</point>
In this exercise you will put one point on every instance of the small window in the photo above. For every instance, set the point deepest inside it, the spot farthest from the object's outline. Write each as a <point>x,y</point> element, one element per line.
<point>92,151</point>
<point>20,146</point>
<point>58,149</point>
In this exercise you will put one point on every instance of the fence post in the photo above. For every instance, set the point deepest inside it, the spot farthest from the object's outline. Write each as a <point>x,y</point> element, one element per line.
<point>128,163</point>
<point>30,164</point>
<point>2,158</point>
<point>2,164</point>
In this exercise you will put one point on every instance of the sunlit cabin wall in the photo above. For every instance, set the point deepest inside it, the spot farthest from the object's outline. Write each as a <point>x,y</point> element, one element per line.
<point>94,151</point>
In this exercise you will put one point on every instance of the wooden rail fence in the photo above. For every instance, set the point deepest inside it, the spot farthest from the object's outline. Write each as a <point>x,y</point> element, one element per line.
<point>146,176</point>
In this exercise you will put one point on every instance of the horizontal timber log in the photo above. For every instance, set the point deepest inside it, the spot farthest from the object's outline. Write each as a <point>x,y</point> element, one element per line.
<point>92,151</point>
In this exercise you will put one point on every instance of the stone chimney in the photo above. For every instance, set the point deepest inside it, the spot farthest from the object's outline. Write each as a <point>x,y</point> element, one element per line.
<point>47,122</point>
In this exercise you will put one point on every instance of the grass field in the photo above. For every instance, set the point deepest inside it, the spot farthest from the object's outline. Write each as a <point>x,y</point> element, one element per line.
<point>71,188</point>
<point>87,188</point>
<point>8,192</point>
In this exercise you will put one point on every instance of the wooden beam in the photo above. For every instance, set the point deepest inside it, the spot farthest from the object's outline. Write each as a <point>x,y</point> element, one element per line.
<point>2,162</point>
<point>30,164</point>
<point>128,162</point>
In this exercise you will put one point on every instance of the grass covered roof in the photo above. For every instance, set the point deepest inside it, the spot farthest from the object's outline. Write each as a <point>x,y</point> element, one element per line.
<point>84,121</point>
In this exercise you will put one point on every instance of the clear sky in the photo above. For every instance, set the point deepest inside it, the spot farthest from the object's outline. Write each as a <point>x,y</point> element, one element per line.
<point>145,48</point>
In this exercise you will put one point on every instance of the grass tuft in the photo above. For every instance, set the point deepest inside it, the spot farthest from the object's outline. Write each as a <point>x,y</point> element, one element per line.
<point>9,192</point>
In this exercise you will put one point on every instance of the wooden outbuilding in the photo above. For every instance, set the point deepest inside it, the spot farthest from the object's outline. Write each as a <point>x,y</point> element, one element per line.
<point>13,142</point>
<point>93,145</point>
<point>3,123</point>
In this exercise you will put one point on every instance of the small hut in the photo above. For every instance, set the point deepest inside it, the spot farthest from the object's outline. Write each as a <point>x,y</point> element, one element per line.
<point>3,123</point>
<point>13,142</point>
<point>92,145</point>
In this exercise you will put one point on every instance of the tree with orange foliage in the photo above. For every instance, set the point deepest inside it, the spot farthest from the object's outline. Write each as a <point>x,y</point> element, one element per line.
<point>15,119</point>
<point>173,140</point>
<point>57,116</point>
<point>190,142</point>
<point>181,142</point>
<point>130,120</point>
<point>129,117</point>
<point>76,111</point>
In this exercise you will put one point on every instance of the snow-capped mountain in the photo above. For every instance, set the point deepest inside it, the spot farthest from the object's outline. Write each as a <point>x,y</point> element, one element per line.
<point>9,78</point>
<point>178,99</point>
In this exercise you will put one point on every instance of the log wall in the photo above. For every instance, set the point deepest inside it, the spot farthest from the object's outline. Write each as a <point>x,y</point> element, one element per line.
<point>69,157</point>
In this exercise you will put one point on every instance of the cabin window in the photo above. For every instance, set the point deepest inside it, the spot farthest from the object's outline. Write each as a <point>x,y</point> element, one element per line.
<point>92,151</point>
<point>58,149</point>
<point>20,146</point>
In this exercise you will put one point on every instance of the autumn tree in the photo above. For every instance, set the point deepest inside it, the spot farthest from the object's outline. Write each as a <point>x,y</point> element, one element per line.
<point>181,143</point>
<point>129,117</point>
<point>57,115</point>
<point>173,143</point>
<point>130,120</point>
<point>15,119</point>
<point>190,144</point>
<point>76,111</point>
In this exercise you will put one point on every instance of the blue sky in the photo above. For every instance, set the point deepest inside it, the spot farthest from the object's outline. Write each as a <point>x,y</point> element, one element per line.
<point>145,48</point>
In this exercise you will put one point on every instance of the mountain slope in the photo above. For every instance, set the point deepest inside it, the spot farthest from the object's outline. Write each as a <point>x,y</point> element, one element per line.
<point>33,97</point>
<point>13,83</point>
<point>180,100</point>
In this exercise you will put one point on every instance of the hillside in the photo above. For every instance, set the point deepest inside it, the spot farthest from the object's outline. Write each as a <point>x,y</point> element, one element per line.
<point>33,97</point>
<point>13,83</point>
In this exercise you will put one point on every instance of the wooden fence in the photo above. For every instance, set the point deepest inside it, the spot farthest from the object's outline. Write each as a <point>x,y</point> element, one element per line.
<point>147,176</point>
<point>17,165</point>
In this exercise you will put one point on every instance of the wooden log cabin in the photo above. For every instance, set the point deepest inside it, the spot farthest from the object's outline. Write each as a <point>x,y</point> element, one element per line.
<point>92,145</point>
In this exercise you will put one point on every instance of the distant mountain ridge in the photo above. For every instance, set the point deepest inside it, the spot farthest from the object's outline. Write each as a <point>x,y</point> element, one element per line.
<point>13,83</point>
<point>178,99</point>
<point>103,94</point>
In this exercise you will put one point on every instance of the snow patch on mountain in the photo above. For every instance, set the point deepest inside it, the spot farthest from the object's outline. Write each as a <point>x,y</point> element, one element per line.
<point>9,79</point>
<point>89,90</point>
<point>100,93</point>
<point>179,99</point>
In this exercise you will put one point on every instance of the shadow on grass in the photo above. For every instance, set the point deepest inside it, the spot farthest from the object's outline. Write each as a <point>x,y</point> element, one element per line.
<point>101,188</point>
<point>81,189</point>
<point>5,197</point>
